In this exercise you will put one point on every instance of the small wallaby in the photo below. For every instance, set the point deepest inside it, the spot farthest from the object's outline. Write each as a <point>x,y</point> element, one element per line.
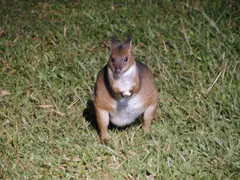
<point>124,90</point>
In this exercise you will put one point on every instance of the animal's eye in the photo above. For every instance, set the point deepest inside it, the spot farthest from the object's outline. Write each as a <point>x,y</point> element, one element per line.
<point>125,59</point>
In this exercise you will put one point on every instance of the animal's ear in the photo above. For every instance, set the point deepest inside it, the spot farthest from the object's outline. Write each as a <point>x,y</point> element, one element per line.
<point>113,42</point>
<point>128,43</point>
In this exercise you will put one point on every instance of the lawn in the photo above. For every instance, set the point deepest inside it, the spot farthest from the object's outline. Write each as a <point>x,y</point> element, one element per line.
<point>50,54</point>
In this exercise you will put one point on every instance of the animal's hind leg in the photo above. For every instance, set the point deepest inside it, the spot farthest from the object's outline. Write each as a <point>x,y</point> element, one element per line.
<point>148,115</point>
<point>103,122</point>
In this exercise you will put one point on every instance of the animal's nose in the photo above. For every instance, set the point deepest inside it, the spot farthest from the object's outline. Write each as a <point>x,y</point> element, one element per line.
<point>118,71</point>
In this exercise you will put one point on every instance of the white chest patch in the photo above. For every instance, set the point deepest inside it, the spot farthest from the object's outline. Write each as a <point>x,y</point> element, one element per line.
<point>125,82</point>
<point>127,110</point>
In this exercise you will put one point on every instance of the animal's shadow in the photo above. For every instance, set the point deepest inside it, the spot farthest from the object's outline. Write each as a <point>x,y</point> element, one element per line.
<point>89,114</point>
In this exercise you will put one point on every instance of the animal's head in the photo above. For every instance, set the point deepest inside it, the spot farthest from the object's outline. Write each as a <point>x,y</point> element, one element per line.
<point>121,58</point>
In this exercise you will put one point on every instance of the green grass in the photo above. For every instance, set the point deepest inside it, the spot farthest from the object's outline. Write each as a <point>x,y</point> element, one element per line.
<point>50,54</point>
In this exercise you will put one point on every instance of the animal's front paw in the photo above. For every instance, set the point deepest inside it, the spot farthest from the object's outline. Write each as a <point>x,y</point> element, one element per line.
<point>126,94</point>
